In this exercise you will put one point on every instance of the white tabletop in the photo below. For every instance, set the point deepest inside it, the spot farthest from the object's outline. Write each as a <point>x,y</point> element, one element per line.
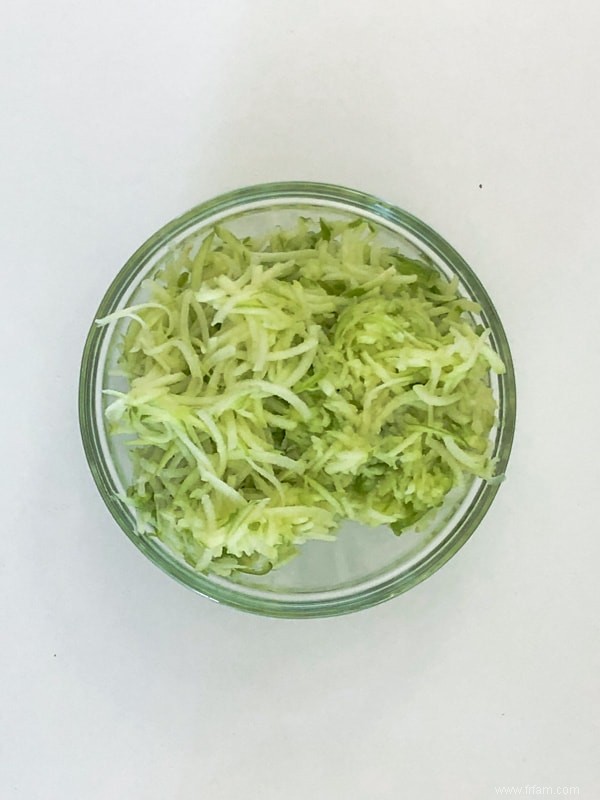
<point>482,118</point>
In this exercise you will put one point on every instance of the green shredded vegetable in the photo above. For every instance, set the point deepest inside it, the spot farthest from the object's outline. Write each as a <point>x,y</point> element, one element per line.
<point>279,385</point>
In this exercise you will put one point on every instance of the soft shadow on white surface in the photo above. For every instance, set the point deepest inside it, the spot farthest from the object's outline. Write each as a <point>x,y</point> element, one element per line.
<point>119,683</point>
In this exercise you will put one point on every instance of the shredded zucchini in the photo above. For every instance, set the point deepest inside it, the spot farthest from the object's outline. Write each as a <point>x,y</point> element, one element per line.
<point>279,385</point>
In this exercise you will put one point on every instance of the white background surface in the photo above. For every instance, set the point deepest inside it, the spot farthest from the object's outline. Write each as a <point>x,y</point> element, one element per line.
<point>115,117</point>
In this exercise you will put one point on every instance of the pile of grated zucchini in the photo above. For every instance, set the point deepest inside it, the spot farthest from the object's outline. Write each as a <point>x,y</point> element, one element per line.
<point>279,385</point>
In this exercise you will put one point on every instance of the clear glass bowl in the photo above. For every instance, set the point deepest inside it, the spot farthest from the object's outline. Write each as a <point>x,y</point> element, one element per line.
<point>363,566</point>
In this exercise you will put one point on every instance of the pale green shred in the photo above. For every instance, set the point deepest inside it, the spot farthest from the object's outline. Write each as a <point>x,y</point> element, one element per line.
<point>277,386</point>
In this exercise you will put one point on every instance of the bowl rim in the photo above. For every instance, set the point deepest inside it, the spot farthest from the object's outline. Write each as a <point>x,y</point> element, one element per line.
<point>221,592</point>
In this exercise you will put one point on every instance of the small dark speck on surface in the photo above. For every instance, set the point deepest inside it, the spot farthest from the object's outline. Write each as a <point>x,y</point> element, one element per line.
<point>53,655</point>
<point>481,185</point>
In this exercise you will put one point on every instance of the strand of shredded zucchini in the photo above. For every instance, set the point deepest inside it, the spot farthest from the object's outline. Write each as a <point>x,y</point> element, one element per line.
<point>277,386</point>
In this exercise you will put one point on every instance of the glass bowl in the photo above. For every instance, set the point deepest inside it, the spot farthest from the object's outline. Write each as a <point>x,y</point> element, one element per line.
<point>364,566</point>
